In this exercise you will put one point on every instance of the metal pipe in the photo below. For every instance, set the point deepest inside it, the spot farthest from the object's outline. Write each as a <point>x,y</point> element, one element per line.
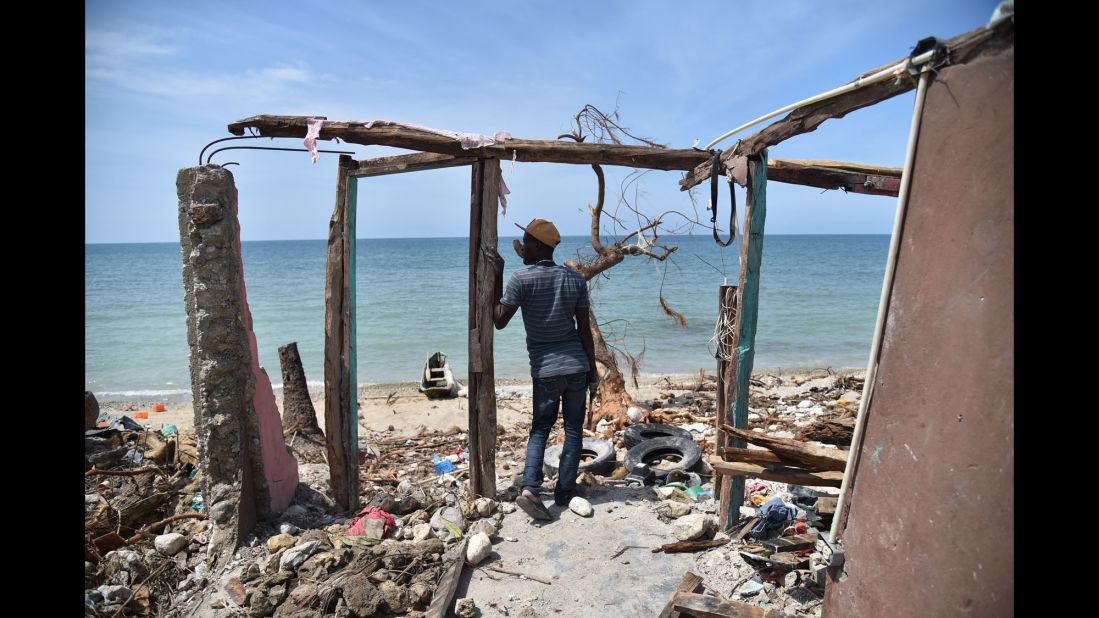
<point>883,306</point>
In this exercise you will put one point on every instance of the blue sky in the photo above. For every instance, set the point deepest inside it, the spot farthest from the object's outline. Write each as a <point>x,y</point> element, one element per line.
<point>163,79</point>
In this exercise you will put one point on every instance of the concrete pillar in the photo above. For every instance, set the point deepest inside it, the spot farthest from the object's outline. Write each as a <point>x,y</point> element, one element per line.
<point>247,471</point>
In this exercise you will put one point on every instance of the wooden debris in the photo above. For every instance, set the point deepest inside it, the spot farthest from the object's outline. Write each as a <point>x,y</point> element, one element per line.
<point>791,543</point>
<point>703,606</point>
<point>688,546</point>
<point>781,474</point>
<point>806,455</point>
<point>747,527</point>
<point>837,431</point>
<point>444,592</point>
<point>691,582</point>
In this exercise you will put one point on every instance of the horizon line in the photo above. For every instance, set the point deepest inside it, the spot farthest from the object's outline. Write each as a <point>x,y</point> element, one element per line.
<point>164,242</point>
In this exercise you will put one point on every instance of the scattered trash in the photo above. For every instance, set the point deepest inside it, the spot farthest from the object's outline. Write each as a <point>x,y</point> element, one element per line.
<point>169,430</point>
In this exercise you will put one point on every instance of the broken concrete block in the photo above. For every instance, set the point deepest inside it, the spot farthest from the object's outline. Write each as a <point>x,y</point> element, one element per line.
<point>484,526</point>
<point>465,608</point>
<point>485,506</point>
<point>805,403</point>
<point>580,506</point>
<point>480,546</point>
<point>280,541</point>
<point>673,509</point>
<point>295,556</point>
<point>450,514</point>
<point>749,588</point>
<point>170,544</point>
<point>421,532</point>
<point>691,527</point>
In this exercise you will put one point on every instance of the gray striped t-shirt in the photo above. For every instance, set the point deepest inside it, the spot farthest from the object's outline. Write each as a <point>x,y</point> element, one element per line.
<point>549,297</point>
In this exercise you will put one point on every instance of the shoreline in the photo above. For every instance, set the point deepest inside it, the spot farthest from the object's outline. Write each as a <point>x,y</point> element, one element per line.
<point>181,396</point>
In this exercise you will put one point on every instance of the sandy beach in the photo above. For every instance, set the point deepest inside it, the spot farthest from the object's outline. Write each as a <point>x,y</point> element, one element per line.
<point>399,409</point>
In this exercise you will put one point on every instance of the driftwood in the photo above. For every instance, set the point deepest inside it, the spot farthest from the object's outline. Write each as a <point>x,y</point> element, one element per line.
<point>780,474</point>
<point>688,546</point>
<point>703,606</point>
<point>138,500</point>
<point>805,455</point>
<point>838,431</point>
<point>444,591</point>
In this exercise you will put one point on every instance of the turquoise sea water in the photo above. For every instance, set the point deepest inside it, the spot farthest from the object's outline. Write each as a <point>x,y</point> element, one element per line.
<point>818,299</point>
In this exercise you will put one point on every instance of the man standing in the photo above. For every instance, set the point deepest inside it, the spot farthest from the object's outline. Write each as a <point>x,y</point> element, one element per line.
<point>562,355</point>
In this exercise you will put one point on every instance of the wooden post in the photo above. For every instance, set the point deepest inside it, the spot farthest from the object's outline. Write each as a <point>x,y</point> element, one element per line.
<point>482,279</point>
<point>339,350</point>
<point>726,307</point>
<point>751,255</point>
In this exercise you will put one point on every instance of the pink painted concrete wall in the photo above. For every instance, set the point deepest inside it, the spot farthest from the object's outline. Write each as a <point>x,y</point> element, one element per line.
<point>280,469</point>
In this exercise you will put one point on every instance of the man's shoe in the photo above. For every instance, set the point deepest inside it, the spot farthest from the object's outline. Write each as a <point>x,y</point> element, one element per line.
<point>537,510</point>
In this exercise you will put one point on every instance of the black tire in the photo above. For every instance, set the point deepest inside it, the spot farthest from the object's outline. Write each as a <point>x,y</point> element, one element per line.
<point>636,434</point>
<point>685,450</point>
<point>600,457</point>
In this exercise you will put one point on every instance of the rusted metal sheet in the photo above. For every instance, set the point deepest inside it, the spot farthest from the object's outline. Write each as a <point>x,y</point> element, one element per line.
<point>930,527</point>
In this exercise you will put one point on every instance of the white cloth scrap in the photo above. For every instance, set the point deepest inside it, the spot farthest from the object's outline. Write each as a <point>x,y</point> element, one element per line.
<point>315,125</point>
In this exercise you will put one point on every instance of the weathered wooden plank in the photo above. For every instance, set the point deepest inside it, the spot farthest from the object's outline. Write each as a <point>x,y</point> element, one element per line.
<point>546,151</point>
<point>448,584</point>
<point>420,161</point>
<point>486,281</point>
<point>746,455</point>
<point>838,432</point>
<point>826,505</point>
<point>852,177</point>
<point>338,382</point>
<point>691,582</point>
<point>793,452</point>
<point>482,383</point>
<point>475,368</point>
<point>963,48</point>
<point>704,606</point>
<point>777,473</point>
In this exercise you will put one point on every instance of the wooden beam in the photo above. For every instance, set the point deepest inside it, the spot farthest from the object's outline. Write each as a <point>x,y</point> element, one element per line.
<point>704,606</point>
<point>745,455</point>
<point>744,349</point>
<point>420,161</point>
<point>791,543</point>
<point>780,474</point>
<point>482,382</point>
<point>794,452</point>
<point>963,48</point>
<point>691,582</point>
<point>545,151</point>
<point>339,380</point>
<point>851,177</point>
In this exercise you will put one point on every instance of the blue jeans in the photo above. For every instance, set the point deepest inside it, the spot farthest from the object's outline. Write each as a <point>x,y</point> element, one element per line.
<point>549,394</point>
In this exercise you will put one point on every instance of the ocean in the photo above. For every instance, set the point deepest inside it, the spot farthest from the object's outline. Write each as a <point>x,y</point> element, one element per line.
<point>818,299</point>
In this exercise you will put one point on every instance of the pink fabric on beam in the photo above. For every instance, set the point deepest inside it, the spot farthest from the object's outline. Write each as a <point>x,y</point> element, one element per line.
<point>315,125</point>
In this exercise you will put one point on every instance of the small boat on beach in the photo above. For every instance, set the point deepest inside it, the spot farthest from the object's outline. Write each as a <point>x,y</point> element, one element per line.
<point>437,380</point>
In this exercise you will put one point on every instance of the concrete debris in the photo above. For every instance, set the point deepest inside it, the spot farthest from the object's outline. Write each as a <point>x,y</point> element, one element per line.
<point>580,506</point>
<point>479,548</point>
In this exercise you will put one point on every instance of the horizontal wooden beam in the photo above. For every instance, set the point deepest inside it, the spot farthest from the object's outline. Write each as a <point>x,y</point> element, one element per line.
<point>545,151</point>
<point>420,161</point>
<point>779,474</point>
<point>963,48</point>
<point>852,177</point>
<point>806,455</point>
<point>746,455</point>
